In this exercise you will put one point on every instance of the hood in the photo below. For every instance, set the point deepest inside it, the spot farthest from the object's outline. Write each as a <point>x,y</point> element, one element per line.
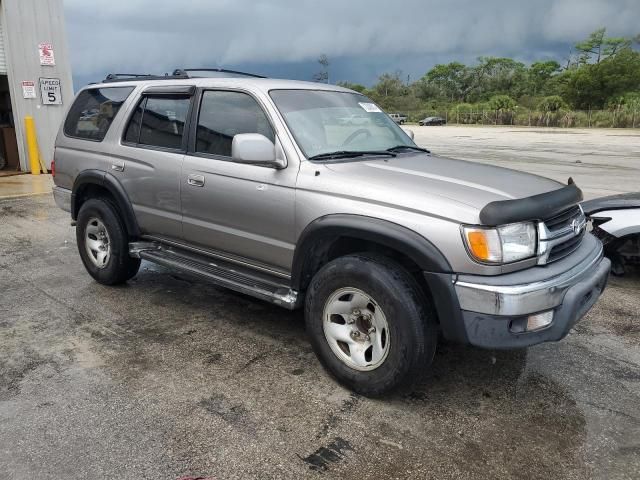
<point>444,187</point>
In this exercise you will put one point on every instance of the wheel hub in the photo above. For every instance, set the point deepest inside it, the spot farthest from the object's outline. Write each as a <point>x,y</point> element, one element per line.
<point>364,323</point>
<point>356,329</point>
<point>97,242</point>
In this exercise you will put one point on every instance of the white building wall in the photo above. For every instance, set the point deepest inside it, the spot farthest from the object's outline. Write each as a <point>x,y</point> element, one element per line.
<point>27,23</point>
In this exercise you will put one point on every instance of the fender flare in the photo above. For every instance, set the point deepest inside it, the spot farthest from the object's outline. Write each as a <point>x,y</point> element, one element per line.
<point>331,227</point>
<point>110,183</point>
<point>621,222</point>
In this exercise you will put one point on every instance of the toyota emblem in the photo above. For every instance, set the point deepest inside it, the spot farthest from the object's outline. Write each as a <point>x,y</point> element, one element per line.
<point>575,226</point>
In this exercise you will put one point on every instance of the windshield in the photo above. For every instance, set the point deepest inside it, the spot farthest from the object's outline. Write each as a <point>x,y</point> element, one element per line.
<point>324,122</point>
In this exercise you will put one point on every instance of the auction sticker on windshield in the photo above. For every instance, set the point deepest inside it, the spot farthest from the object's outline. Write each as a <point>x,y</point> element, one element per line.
<point>369,107</point>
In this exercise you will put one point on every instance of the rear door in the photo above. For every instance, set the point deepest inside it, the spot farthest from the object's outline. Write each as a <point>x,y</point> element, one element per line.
<point>150,158</point>
<point>239,209</point>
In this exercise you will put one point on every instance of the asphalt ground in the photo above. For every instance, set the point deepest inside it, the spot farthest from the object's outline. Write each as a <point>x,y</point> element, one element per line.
<point>168,377</point>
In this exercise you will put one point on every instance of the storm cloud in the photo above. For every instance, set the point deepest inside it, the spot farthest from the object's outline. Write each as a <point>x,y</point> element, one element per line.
<point>362,38</point>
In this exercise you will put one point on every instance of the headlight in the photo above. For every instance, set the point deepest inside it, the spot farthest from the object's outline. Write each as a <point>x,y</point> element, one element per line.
<point>504,244</point>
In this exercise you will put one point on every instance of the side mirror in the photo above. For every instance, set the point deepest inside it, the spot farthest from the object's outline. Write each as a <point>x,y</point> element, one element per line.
<point>409,132</point>
<point>255,149</point>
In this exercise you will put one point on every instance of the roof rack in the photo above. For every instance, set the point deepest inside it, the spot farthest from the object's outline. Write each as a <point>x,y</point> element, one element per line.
<point>127,77</point>
<point>185,71</point>
<point>179,73</point>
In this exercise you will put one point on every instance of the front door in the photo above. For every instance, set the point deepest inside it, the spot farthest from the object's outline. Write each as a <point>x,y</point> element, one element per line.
<point>239,209</point>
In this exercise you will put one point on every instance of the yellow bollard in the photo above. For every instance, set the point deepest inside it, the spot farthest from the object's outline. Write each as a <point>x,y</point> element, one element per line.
<point>32,145</point>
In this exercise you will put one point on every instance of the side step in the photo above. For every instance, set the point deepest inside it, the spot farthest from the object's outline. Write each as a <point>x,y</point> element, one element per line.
<point>226,274</point>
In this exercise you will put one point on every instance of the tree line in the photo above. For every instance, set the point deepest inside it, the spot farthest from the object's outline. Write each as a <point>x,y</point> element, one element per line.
<point>600,73</point>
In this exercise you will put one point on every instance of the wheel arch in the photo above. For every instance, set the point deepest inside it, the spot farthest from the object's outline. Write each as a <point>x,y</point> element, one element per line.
<point>90,180</point>
<point>320,236</point>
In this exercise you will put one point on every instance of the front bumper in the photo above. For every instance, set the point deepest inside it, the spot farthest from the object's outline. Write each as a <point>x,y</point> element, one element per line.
<point>490,311</point>
<point>494,331</point>
<point>530,290</point>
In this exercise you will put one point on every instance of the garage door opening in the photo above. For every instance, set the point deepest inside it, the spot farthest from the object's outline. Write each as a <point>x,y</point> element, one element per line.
<point>9,159</point>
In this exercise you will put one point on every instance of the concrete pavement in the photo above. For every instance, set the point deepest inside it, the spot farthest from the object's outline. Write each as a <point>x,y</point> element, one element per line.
<point>168,377</point>
<point>601,161</point>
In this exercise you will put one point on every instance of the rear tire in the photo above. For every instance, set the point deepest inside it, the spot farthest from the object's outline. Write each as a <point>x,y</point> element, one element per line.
<point>103,243</point>
<point>383,295</point>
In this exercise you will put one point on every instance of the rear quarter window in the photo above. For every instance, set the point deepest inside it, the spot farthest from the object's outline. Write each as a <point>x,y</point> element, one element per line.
<point>93,111</point>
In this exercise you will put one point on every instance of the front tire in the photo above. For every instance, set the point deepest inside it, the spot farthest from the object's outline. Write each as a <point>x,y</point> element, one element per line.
<point>103,243</point>
<point>370,323</point>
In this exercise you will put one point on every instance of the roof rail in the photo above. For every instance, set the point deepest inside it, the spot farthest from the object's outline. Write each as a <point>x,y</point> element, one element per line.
<point>179,73</point>
<point>185,71</point>
<point>114,76</point>
<point>127,77</point>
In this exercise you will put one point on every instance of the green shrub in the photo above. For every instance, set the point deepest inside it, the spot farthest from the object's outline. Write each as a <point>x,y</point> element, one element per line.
<point>552,103</point>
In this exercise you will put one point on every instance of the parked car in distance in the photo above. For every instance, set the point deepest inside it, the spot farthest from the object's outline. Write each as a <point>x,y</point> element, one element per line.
<point>258,185</point>
<point>615,221</point>
<point>399,118</point>
<point>432,121</point>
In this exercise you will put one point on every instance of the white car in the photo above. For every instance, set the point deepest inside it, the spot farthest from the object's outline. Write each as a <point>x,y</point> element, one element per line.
<point>616,222</point>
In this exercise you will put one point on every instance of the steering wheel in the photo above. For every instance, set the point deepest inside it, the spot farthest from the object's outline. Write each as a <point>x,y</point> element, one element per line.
<point>360,131</point>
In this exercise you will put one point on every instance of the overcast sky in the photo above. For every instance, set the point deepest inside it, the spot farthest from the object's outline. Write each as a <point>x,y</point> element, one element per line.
<point>362,38</point>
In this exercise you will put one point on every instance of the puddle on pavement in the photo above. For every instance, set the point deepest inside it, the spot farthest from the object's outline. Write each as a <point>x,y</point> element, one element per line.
<point>494,412</point>
<point>25,185</point>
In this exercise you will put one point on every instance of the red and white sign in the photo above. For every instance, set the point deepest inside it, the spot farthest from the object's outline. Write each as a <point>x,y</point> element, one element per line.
<point>46,54</point>
<point>28,89</point>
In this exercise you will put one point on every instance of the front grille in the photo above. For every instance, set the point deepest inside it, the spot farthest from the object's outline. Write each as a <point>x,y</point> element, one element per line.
<point>563,219</point>
<point>561,236</point>
<point>565,248</point>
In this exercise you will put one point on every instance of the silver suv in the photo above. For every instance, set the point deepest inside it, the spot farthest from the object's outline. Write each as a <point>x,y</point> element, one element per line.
<point>259,186</point>
<point>399,118</point>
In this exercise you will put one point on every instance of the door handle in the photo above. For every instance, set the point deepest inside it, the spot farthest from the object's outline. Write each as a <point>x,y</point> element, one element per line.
<point>195,180</point>
<point>118,167</point>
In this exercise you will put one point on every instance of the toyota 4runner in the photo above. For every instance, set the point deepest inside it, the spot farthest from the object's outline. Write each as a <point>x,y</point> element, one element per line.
<point>257,185</point>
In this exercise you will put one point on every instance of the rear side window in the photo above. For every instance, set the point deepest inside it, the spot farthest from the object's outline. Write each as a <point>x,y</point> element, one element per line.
<point>93,112</point>
<point>133,129</point>
<point>225,114</point>
<point>158,122</point>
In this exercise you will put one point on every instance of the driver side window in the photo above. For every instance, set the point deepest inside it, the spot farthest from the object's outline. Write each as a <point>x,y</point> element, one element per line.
<point>224,114</point>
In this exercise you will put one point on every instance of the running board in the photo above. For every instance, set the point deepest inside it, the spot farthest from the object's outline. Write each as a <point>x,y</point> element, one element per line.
<point>225,274</point>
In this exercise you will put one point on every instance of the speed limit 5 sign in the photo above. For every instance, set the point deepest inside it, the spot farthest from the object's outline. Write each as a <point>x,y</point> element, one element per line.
<point>50,91</point>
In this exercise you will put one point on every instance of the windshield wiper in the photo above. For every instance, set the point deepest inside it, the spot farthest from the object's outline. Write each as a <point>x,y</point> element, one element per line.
<point>409,147</point>
<point>350,154</point>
